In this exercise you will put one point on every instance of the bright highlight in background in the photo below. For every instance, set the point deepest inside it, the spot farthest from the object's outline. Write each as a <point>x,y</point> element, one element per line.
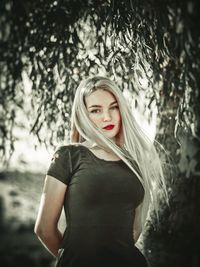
<point>147,125</point>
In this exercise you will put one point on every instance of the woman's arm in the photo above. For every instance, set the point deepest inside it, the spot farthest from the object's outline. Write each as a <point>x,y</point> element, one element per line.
<point>51,203</point>
<point>137,225</point>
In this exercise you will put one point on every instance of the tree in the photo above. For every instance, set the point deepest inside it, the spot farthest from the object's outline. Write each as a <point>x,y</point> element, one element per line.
<point>149,46</point>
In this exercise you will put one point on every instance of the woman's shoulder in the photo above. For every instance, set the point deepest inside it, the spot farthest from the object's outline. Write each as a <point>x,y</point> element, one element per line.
<point>71,149</point>
<point>76,146</point>
<point>68,146</point>
<point>70,153</point>
<point>64,162</point>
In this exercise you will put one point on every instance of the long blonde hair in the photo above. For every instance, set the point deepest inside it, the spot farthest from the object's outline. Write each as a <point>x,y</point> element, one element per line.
<point>133,146</point>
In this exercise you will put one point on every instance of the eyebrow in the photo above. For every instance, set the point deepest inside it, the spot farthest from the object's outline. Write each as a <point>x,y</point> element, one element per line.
<point>98,106</point>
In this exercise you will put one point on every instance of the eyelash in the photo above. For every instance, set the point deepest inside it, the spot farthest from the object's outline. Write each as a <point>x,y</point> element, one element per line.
<point>95,110</point>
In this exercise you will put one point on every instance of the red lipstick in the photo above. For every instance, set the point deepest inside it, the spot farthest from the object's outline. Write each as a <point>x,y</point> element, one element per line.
<point>109,127</point>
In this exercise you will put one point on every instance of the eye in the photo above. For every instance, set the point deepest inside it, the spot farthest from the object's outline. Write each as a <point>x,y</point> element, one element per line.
<point>95,111</point>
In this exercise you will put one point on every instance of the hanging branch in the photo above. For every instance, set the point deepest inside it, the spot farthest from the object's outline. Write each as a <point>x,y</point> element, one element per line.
<point>146,45</point>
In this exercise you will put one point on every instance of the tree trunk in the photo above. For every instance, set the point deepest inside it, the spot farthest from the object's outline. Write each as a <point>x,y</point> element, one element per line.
<point>174,241</point>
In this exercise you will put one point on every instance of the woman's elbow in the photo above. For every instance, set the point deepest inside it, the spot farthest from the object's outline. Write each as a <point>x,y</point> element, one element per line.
<point>42,231</point>
<point>38,230</point>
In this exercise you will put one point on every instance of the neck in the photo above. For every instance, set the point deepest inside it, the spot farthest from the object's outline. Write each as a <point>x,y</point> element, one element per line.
<point>103,148</point>
<point>93,144</point>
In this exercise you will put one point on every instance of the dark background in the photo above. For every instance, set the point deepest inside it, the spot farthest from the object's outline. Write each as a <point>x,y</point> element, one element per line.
<point>151,49</point>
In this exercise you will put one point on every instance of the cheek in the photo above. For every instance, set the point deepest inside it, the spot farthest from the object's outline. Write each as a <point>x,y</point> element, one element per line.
<point>94,119</point>
<point>118,117</point>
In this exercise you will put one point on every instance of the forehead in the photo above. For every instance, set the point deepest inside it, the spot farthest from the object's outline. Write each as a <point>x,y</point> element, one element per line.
<point>100,97</point>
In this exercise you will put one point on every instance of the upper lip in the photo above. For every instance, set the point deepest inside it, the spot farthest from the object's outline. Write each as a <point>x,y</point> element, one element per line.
<point>110,125</point>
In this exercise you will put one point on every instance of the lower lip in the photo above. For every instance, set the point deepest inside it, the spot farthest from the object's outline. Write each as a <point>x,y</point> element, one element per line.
<point>109,128</point>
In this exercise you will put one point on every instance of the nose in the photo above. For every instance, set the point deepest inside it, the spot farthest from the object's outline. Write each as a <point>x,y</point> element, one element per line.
<point>106,116</point>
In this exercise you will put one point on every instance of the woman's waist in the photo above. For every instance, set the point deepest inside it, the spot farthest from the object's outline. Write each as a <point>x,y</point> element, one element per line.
<point>98,233</point>
<point>100,227</point>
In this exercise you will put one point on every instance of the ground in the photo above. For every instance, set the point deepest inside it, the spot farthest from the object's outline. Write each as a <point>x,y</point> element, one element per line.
<point>19,200</point>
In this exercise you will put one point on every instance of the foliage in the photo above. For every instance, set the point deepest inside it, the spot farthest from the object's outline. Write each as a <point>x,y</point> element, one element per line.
<point>47,47</point>
<point>153,47</point>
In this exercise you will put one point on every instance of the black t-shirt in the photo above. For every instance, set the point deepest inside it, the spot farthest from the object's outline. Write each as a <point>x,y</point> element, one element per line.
<point>100,202</point>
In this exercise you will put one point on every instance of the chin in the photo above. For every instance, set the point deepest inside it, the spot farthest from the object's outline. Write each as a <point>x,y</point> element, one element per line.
<point>111,136</point>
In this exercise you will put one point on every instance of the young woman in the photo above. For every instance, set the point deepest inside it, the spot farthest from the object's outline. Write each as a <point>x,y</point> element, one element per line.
<point>105,179</point>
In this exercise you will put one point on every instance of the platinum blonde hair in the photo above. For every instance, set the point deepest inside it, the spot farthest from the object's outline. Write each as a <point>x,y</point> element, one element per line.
<point>132,146</point>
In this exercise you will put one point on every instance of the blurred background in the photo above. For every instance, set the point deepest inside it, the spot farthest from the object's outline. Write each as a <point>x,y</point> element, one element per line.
<point>151,49</point>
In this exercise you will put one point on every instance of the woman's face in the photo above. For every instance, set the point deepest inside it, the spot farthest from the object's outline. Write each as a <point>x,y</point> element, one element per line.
<point>104,112</point>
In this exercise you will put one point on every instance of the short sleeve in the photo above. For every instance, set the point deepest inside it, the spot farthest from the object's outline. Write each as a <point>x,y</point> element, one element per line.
<point>61,165</point>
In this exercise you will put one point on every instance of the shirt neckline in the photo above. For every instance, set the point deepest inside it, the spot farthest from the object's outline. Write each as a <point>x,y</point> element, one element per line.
<point>107,161</point>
